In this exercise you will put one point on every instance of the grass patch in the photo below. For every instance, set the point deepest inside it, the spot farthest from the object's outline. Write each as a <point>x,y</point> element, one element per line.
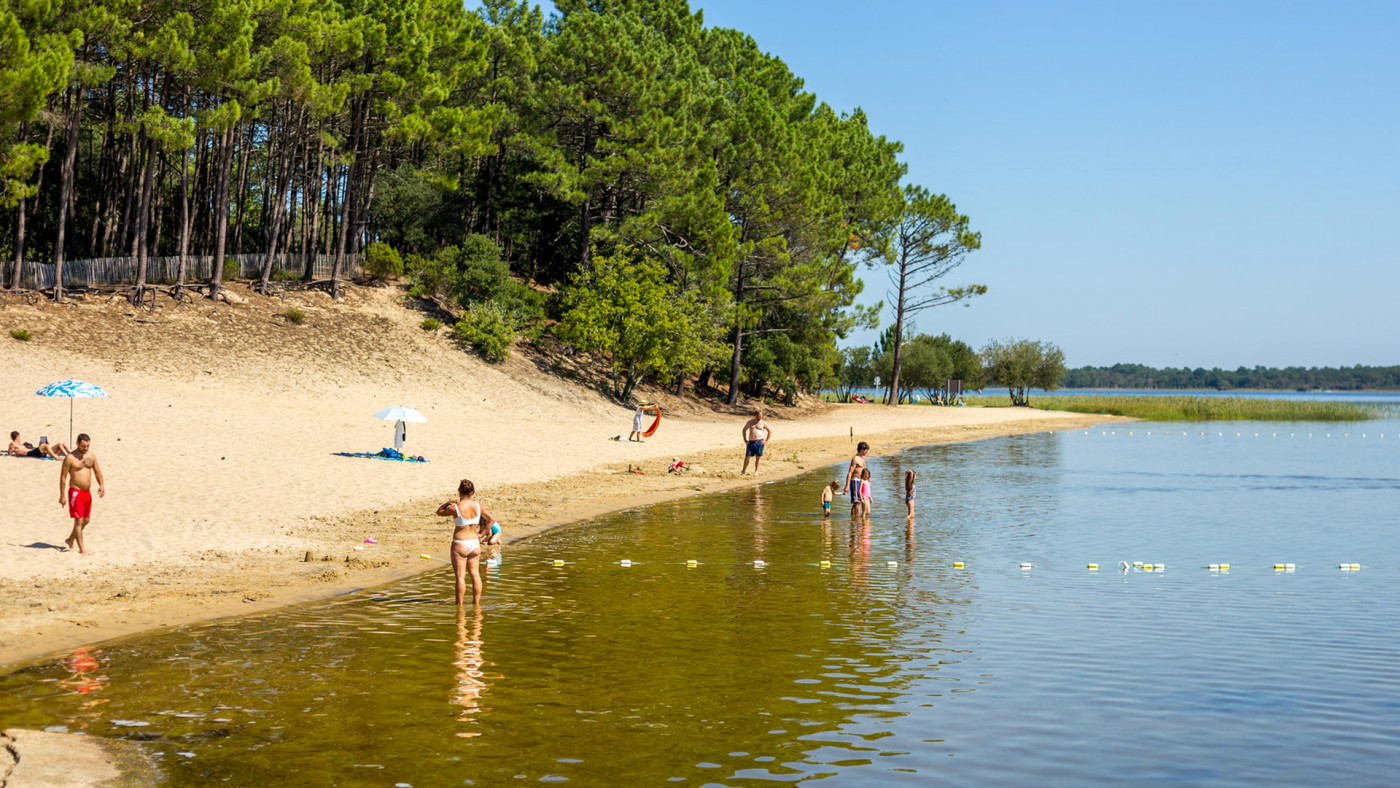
<point>1188,408</point>
<point>430,324</point>
<point>295,316</point>
<point>21,334</point>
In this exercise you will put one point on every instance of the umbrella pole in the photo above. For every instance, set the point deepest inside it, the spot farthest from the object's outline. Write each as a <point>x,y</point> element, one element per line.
<point>70,421</point>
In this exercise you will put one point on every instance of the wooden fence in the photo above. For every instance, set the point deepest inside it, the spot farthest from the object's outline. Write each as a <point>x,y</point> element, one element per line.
<point>162,270</point>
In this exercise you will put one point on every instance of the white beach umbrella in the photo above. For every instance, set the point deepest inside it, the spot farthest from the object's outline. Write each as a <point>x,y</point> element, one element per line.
<point>73,389</point>
<point>400,416</point>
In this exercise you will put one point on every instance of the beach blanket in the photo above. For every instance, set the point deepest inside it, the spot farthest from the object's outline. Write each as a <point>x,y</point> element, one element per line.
<point>383,454</point>
<point>27,457</point>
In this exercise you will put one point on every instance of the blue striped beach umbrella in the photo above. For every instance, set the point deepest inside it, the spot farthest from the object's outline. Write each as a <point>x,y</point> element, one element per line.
<point>72,389</point>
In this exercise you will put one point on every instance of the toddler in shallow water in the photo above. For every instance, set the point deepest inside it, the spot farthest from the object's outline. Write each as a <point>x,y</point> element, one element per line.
<point>828,493</point>
<point>865,492</point>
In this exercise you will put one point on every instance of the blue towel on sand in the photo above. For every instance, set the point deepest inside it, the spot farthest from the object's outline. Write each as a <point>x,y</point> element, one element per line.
<point>27,457</point>
<point>383,454</point>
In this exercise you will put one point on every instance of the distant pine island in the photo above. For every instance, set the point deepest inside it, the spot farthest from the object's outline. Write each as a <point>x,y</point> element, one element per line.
<point>1139,376</point>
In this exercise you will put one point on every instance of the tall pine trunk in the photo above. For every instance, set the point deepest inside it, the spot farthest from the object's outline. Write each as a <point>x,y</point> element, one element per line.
<point>220,216</point>
<point>143,221</point>
<point>65,192</point>
<point>898,336</point>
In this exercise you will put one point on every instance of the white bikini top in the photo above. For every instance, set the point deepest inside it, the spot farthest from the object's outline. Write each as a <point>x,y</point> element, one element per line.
<point>462,522</point>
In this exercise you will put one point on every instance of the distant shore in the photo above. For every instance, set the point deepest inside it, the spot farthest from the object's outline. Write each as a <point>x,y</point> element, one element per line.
<point>217,443</point>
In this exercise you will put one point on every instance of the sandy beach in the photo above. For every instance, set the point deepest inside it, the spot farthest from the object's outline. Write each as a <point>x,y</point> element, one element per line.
<point>217,438</point>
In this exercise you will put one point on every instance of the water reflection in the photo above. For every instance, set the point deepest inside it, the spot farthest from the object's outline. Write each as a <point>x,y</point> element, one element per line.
<point>471,683</point>
<point>84,672</point>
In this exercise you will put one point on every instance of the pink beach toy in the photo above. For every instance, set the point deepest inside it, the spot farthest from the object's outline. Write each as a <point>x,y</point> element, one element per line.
<point>371,540</point>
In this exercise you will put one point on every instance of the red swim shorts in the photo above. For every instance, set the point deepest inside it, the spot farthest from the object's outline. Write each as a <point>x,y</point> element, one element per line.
<point>79,504</point>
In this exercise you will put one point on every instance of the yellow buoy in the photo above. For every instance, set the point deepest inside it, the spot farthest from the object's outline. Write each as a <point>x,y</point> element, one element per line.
<point>826,564</point>
<point>558,562</point>
<point>1093,566</point>
<point>957,564</point>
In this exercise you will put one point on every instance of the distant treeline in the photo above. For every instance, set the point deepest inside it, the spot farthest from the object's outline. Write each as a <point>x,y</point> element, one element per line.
<point>1138,376</point>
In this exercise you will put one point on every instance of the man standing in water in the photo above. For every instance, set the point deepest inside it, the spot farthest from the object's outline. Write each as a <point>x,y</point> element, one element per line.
<point>756,435</point>
<point>853,476</point>
<point>79,467</point>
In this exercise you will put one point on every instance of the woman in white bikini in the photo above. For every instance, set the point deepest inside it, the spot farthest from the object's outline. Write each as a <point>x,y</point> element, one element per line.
<point>466,539</point>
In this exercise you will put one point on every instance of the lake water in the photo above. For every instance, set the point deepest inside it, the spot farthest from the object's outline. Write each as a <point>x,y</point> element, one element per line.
<point>863,672</point>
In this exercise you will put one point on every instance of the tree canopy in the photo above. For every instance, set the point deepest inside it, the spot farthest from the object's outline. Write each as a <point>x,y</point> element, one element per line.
<point>275,139</point>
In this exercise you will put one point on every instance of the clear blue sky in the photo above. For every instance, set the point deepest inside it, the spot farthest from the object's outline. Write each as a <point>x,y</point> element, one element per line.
<point>1170,183</point>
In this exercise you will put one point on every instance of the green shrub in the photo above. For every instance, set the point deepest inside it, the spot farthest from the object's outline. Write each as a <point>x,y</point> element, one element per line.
<point>285,275</point>
<point>526,304</point>
<point>430,324</point>
<point>230,270</point>
<point>382,261</point>
<point>295,316</point>
<point>21,334</point>
<point>488,329</point>
<point>475,270</point>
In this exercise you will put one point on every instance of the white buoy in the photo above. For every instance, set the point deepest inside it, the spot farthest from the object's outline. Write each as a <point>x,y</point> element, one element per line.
<point>758,564</point>
<point>358,547</point>
<point>1025,565</point>
<point>1160,567</point>
<point>625,562</point>
<point>891,564</point>
<point>1213,567</point>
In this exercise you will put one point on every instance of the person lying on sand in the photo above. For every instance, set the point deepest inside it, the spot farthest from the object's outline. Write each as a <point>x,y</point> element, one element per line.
<point>19,448</point>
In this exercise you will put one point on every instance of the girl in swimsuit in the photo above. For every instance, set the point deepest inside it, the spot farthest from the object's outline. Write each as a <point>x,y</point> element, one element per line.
<point>466,540</point>
<point>909,491</point>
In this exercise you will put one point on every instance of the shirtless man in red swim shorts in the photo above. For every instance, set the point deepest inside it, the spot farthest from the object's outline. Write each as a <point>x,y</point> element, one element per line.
<point>79,467</point>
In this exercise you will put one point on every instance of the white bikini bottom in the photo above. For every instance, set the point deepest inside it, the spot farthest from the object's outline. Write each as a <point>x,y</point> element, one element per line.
<point>472,545</point>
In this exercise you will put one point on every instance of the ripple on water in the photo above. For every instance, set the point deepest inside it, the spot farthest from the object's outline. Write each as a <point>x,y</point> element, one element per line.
<point>721,673</point>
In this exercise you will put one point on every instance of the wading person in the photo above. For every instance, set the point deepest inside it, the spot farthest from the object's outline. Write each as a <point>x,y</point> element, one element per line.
<point>466,540</point>
<point>853,476</point>
<point>79,466</point>
<point>756,434</point>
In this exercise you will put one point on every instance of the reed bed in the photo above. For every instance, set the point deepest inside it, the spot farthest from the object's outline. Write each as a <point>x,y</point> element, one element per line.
<point>1189,408</point>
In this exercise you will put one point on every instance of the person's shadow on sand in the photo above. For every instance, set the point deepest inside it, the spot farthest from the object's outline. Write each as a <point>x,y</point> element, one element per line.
<point>45,546</point>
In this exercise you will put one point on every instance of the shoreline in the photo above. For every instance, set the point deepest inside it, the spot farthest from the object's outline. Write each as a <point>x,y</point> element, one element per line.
<point>337,569</point>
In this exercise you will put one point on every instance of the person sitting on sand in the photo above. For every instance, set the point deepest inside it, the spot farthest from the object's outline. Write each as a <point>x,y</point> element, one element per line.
<point>494,538</point>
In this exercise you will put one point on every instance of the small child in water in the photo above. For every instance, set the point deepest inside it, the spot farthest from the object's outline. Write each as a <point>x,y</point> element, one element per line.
<point>828,493</point>
<point>865,492</point>
<point>909,492</point>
